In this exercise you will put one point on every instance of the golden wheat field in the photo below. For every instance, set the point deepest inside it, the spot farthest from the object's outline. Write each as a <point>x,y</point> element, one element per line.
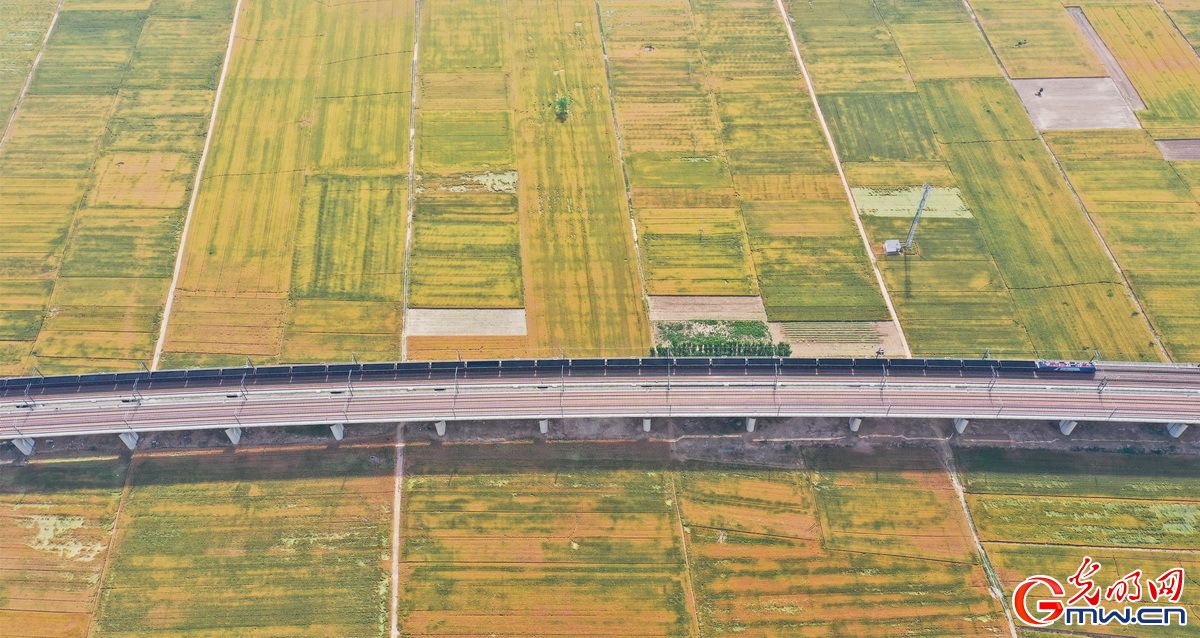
<point>187,183</point>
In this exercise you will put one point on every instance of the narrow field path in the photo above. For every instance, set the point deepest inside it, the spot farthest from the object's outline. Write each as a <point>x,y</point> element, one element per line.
<point>37,60</point>
<point>412,176</point>
<point>837,161</point>
<point>187,220</point>
<point>688,586</point>
<point>112,546</point>
<point>997,590</point>
<point>397,502</point>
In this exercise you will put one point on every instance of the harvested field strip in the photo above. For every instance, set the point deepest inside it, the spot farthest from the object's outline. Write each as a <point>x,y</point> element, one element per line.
<point>314,214</point>
<point>831,332</point>
<point>126,94</point>
<point>540,539</point>
<point>56,522</point>
<point>582,288</point>
<point>757,537</point>
<point>270,525</point>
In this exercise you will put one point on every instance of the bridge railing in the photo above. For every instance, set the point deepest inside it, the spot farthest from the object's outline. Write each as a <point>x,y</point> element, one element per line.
<point>355,371</point>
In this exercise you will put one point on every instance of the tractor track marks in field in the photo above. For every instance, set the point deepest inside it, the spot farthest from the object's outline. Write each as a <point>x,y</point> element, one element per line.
<point>346,97</point>
<point>366,57</point>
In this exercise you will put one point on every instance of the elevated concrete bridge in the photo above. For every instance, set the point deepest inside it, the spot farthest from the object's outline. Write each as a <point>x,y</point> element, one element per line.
<point>129,404</point>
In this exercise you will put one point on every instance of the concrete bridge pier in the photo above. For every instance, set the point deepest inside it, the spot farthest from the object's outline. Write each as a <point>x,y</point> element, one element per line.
<point>1067,426</point>
<point>855,423</point>
<point>961,425</point>
<point>24,444</point>
<point>440,426</point>
<point>645,425</point>
<point>750,421</point>
<point>130,439</point>
<point>338,430</point>
<point>234,434</point>
<point>544,426</point>
<point>1176,429</point>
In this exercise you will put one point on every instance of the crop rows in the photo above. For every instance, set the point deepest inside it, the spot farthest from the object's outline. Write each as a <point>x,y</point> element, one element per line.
<point>122,95</point>
<point>24,23</point>
<point>757,209</point>
<point>860,545</point>
<point>56,523</point>
<point>467,248</point>
<point>1041,512</point>
<point>295,249</point>
<point>540,540</point>
<point>1024,273</point>
<point>259,543</point>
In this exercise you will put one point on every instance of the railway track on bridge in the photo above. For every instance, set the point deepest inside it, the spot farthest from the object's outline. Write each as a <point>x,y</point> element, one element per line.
<point>341,394</point>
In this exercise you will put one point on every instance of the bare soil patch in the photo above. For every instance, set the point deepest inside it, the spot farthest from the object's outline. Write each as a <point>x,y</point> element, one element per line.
<point>435,322</point>
<point>1129,93</point>
<point>838,338</point>
<point>682,308</point>
<point>1179,149</point>
<point>1075,104</point>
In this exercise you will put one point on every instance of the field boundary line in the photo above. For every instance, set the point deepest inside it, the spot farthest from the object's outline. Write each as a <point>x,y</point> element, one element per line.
<point>1122,548</point>
<point>1162,350</point>
<point>612,106</point>
<point>837,162</point>
<point>187,220</point>
<point>689,588</point>
<point>397,502</point>
<point>37,60</point>
<point>989,572</point>
<point>412,176</point>
<point>112,546</point>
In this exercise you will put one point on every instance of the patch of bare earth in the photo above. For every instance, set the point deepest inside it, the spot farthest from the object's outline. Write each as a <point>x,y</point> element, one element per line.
<point>687,307</point>
<point>436,322</point>
<point>838,338</point>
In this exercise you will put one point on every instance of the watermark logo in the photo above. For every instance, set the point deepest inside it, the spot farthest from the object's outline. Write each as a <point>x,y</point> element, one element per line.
<point>1041,601</point>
